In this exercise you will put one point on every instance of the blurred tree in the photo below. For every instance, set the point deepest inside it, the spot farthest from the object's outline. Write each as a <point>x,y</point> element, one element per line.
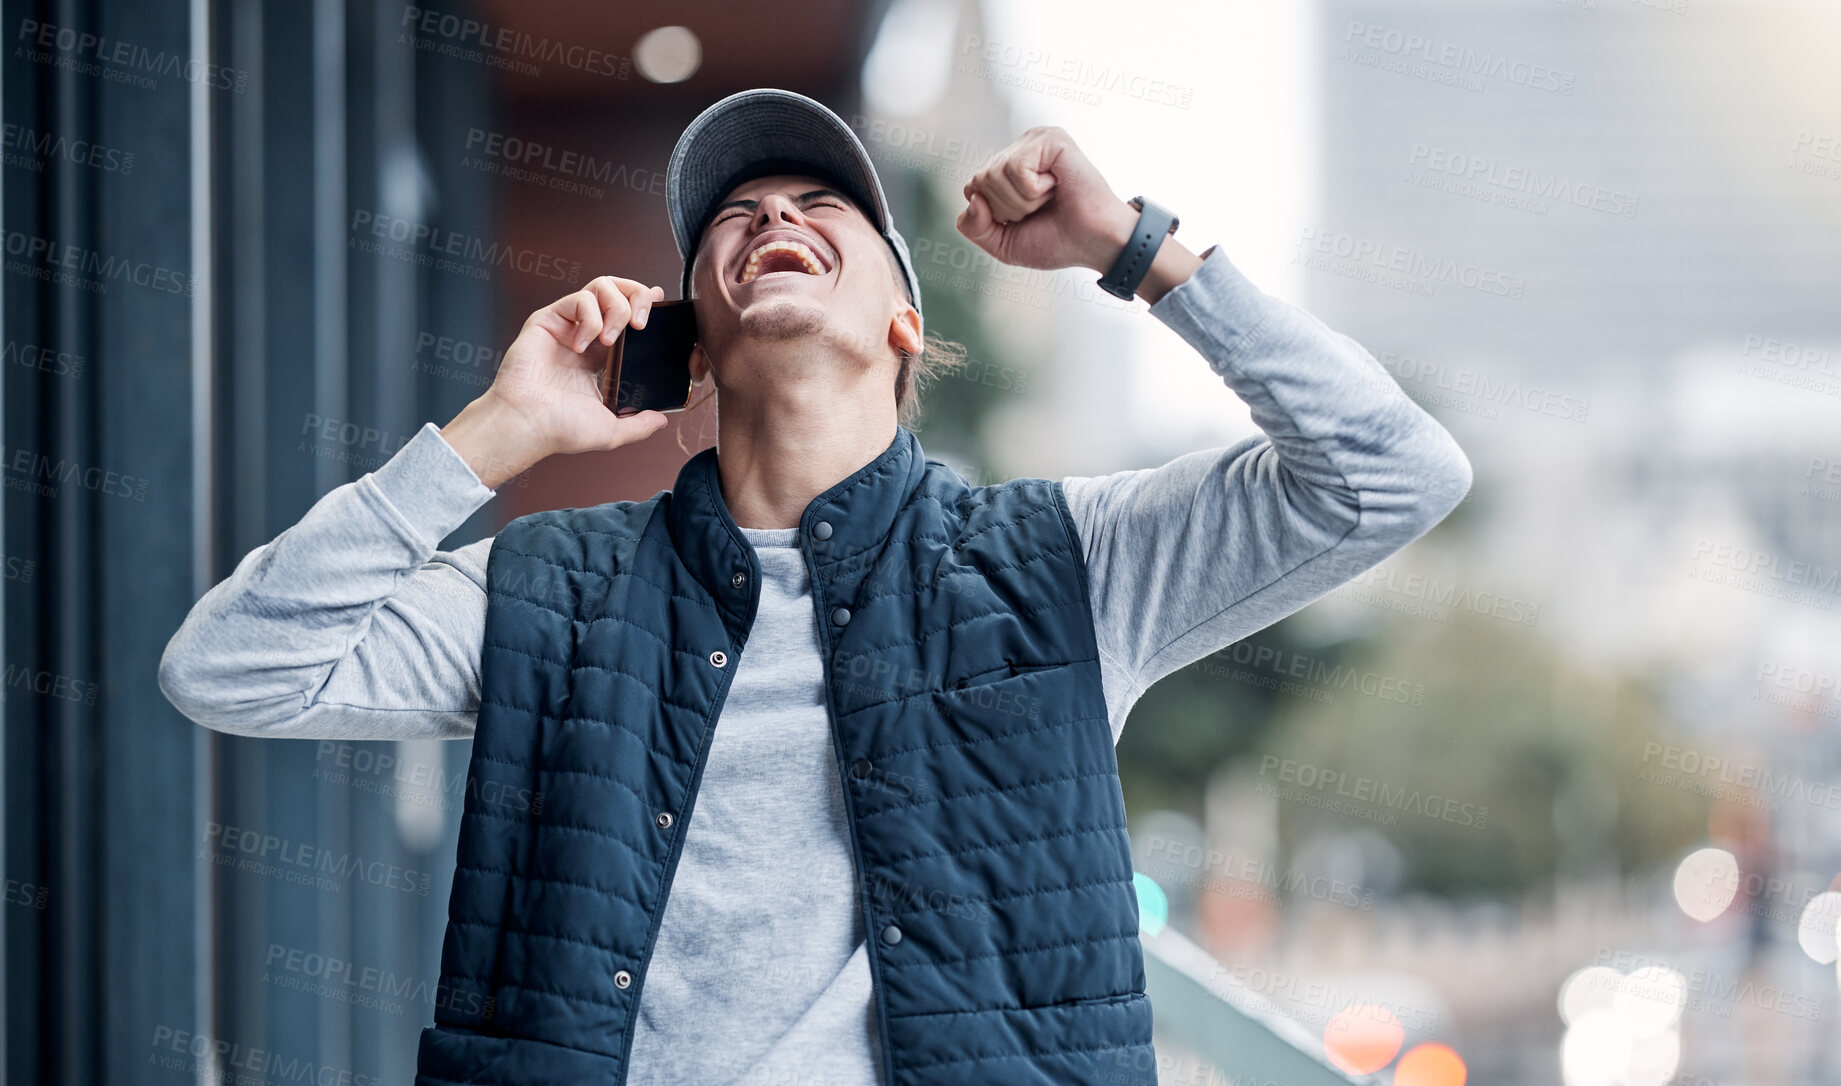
<point>952,408</point>
<point>1204,715</point>
<point>1550,748</point>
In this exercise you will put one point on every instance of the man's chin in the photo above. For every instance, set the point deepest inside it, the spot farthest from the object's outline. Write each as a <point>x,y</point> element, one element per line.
<point>782,316</point>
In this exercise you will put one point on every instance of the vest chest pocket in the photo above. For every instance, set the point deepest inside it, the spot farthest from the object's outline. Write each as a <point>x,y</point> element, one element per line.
<point>998,674</point>
<point>994,691</point>
<point>1091,1001</point>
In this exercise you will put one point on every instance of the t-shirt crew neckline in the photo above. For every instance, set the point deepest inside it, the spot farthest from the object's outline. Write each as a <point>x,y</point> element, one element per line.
<point>772,537</point>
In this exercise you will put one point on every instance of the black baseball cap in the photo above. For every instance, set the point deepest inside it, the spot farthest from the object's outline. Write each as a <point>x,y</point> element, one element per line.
<point>755,133</point>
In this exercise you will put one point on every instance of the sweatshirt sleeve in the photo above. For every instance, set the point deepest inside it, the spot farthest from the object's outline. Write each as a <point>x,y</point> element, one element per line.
<point>350,624</point>
<point>1187,558</point>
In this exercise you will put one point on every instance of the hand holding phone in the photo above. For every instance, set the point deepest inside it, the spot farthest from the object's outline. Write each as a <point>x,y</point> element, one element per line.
<point>648,369</point>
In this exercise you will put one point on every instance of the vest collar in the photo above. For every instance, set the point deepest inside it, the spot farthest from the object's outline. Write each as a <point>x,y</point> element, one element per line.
<point>859,510</point>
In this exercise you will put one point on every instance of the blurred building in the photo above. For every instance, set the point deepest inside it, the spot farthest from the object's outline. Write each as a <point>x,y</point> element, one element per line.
<point>333,217</point>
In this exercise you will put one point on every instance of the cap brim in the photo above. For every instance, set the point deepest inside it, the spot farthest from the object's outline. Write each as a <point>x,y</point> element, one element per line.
<point>754,133</point>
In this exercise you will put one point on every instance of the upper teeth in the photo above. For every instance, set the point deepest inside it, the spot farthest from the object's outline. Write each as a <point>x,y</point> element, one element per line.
<point>753,267</point>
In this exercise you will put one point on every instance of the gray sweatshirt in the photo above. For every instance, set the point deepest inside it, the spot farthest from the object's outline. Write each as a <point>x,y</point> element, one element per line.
<point>352,624</point>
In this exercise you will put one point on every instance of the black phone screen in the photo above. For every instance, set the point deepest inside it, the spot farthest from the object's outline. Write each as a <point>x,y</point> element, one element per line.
<point>649,368</point>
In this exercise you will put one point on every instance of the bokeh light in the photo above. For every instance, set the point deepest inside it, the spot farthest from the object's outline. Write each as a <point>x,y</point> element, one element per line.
<point>1706,882</point>
<point>669,54</point>
<point>1820,927</point>
<point>1153,904</point>
<point>1595,1050</point>
<point>1362,1038</point>
<point>1622,1029</point>
<point>1590,989</point>
<point>1650,999</point>
<point>1653,1059</point>
<point>1431,1065</point>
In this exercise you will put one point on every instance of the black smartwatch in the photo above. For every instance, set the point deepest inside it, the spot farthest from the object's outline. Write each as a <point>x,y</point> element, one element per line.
<point>1154,224</point>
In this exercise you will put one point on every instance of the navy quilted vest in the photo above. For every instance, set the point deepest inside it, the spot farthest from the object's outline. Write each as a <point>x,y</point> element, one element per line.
<point>979,777</point>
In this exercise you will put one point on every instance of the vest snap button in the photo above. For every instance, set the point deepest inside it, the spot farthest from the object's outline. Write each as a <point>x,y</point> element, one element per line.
<point>891,935</point>
<point>822,530</point>
<point>664,820</point>
<point>719,658</point>
<point>840,616</point>
<point>738,580</point>
<point>623,979</point>
<point>859,769</point>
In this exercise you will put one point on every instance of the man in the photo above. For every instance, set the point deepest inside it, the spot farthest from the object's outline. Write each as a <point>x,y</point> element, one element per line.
<point>908,861</point>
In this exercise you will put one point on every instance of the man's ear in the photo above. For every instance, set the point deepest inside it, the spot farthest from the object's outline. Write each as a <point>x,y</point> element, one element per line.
<point>905,329</point>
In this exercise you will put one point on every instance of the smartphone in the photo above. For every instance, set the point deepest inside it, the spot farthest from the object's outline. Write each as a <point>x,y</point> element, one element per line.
<point>648,369</point>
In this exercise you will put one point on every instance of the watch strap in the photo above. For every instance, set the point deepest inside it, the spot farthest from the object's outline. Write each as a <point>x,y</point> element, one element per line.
<point>1134,261</point>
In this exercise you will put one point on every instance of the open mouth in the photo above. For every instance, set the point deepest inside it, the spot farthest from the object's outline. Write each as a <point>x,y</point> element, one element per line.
<point>780,256</point>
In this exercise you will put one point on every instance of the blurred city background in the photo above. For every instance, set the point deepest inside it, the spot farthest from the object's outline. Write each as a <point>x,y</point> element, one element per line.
<point>1551,796</point>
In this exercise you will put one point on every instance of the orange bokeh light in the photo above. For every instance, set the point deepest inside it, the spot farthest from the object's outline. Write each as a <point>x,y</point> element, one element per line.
<point>1431,1065</point>
<point>1362,1039</point>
